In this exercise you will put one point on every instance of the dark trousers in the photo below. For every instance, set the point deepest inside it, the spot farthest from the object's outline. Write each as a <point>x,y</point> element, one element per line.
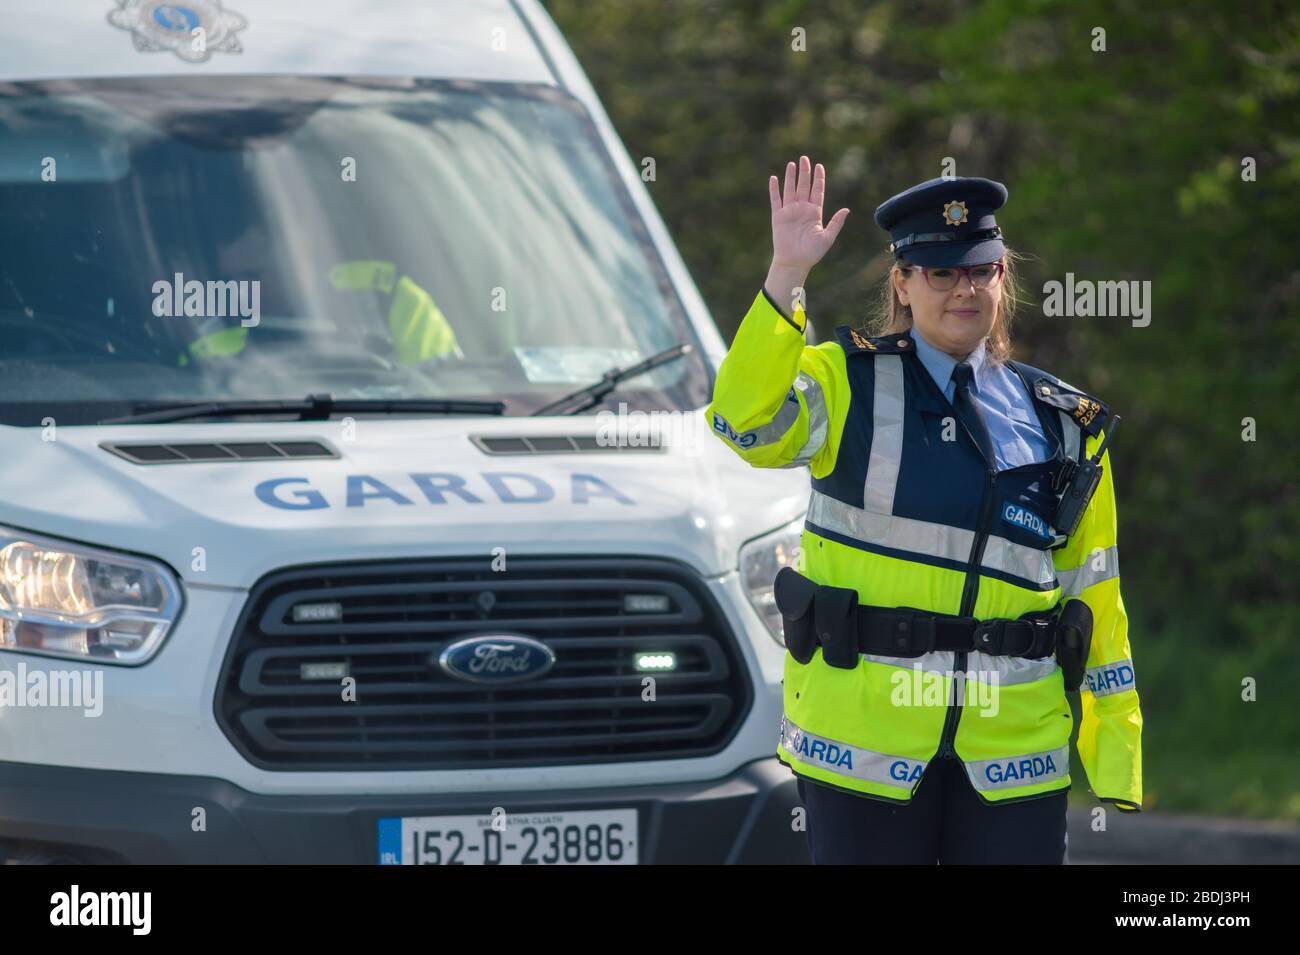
<point>946,822</point>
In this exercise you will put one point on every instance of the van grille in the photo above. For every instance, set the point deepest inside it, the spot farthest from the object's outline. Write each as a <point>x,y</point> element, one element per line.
<point>280,696</point>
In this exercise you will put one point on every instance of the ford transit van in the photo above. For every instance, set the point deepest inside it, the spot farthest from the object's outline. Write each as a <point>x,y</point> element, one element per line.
<point>356,499</point>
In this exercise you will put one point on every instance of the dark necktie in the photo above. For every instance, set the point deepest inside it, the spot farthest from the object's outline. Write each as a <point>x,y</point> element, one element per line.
<point>968,412</point>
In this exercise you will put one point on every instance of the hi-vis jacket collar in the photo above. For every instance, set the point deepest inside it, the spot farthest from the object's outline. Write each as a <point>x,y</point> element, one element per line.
<point>1088,412</point>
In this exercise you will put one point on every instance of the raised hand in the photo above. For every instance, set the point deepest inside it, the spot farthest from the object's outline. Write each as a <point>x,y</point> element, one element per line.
<point>798,238</point>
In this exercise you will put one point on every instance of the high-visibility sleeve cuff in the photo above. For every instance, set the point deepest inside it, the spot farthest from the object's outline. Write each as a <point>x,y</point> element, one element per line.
<point>1123,805</point>
<point>780,311</point>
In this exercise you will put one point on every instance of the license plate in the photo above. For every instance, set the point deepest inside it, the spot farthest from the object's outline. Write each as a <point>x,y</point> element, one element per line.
<point>593,837</point>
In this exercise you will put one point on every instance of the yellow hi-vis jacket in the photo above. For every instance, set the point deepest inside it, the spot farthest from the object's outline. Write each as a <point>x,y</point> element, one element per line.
<point>420,331</point>
<point>909,516</point>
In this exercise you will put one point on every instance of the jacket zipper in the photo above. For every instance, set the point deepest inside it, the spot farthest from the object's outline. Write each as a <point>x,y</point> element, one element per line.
<point>970,593</point>
<point>971,587</point>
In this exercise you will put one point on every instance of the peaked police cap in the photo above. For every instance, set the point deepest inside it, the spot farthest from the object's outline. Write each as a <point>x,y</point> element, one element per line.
<point>945,221</point>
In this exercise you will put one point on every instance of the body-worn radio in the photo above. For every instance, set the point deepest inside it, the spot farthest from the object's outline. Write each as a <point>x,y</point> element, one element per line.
<point>1078,482</point>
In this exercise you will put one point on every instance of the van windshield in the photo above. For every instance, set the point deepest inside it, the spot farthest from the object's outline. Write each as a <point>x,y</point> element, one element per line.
<point>217,239</point>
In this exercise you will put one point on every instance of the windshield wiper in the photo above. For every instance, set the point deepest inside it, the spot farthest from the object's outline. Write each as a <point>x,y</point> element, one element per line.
<point>314,408</point>
<point>592,394</point>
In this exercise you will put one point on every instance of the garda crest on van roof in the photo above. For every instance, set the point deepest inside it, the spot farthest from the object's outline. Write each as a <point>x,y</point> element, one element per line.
<point>157,27</point>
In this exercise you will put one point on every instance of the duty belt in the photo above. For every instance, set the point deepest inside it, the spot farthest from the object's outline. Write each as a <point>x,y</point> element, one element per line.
<point>831,617</point>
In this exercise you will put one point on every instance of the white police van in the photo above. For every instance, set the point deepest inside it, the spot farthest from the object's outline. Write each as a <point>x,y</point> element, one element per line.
<point>316,543</point>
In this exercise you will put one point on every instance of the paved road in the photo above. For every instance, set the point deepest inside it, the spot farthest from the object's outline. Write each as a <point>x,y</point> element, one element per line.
<point>1152,837</point>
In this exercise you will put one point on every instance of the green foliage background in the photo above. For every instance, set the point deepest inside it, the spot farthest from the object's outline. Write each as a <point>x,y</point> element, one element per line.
<point>1122,164</point>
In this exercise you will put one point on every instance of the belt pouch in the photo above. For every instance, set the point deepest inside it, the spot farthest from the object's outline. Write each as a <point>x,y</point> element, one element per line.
<point>835,611</point>
<point>794,595</point>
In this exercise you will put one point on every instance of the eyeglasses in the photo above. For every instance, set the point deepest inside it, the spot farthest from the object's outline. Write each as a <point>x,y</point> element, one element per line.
<point>943,278</point>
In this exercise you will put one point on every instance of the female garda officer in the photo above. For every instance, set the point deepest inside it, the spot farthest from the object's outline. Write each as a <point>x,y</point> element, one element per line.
<point>951,555</point>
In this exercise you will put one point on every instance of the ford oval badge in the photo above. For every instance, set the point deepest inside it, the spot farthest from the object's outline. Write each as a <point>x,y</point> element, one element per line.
<point>496,658</point>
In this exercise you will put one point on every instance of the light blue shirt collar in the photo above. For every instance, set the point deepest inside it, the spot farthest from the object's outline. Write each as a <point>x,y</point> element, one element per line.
<point>940,364</point>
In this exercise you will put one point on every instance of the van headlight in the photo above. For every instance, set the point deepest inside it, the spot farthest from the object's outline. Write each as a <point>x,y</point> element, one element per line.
<point>66,600</point>
<point>760,559</point>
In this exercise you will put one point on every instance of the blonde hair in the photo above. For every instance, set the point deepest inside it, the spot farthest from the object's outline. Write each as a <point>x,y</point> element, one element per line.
<point>891,316</point>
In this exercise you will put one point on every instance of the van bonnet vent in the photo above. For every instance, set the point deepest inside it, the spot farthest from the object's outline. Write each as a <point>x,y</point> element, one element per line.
<point>219,451</point>
<point>560,443</point>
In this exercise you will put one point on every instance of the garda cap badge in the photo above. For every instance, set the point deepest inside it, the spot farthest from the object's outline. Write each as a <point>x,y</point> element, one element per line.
<point>192,29</point>
<point>954,213</point>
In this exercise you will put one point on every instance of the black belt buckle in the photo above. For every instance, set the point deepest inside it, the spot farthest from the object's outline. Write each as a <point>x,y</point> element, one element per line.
<point>989,636</point>
<point>1042,637</point>
<point>1023,637</point>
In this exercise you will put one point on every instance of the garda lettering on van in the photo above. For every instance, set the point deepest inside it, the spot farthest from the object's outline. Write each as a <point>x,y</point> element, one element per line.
<point>434,487</point>
<point>1023,517</point>
<point>1021,769</point>
<point>1110,678</point>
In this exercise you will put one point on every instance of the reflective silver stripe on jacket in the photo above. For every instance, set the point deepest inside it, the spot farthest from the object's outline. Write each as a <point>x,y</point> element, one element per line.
<point>1012,771</point>
<point>847,759</point>
<point>1028,563</point>
<point>980,666</point>
<point>1010,671</point>
<point>936,661</point>
<point>775,429</point>
<point>886,436</point>
<point>818,422</point>
<point>1109,678</point>
<point>928,539</point>
<point>1077,579</point>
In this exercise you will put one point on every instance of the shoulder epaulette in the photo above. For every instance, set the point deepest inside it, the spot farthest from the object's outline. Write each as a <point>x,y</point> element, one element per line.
<point>853,342</point>
<point>1089,413</point>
